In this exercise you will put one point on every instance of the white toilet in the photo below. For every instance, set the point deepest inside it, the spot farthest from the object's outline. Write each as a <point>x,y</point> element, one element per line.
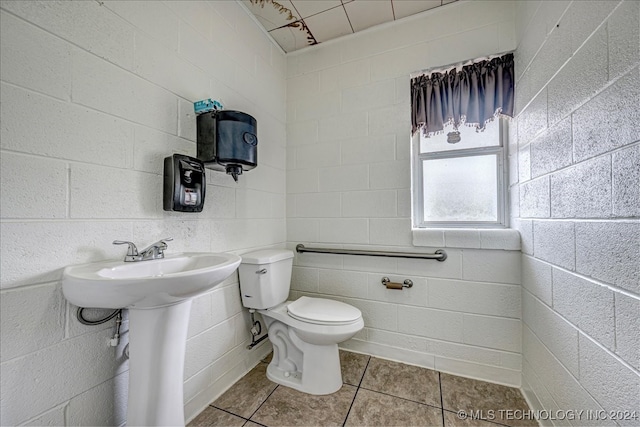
<point>305,333</point>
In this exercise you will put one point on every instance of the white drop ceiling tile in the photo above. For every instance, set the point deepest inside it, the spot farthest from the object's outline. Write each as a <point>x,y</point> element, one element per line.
<point>308,8</point>
<point>292,37</point>
<point>276,14</point>
<point>404,8</point>
<point>364,13</point>
<point>328,25</point>
<point>272,15</point>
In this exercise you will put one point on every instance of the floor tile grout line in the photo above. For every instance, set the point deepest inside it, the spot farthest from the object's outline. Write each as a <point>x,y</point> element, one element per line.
<point>441,400</point>
<point>404,398</point>
<point>399,397</point>
<point>263,402</point>
<point>228,412</point>
<point>356,393</point>
<point>364,372</point>
<point>346,417</point>
<point>253,413</point>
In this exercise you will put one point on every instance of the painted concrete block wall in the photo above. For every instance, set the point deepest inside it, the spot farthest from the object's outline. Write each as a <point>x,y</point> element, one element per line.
<point>575,172</point>
<point>348,185</point>
<point>94,96</point>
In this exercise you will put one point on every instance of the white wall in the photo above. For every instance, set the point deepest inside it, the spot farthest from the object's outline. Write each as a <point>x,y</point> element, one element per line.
<point>576,174</point>
<point>348,184</point>
<point>94,96</point>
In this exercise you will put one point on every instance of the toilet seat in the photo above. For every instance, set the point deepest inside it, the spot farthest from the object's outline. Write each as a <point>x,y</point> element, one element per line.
<point>314,332</point>
<point>322,311</point>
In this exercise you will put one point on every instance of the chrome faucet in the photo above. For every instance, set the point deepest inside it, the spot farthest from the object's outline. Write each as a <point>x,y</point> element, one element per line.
<point>153,251</point>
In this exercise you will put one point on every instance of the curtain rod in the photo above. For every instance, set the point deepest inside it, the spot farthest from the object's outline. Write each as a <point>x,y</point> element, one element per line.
<point>439,255</point>
<point>444,68</point>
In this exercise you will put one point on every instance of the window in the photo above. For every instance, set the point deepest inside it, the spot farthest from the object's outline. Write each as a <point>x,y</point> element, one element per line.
<point>460,184</point>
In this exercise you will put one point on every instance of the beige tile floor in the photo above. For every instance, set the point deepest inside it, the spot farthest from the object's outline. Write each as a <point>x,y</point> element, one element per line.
<point>376,392</point>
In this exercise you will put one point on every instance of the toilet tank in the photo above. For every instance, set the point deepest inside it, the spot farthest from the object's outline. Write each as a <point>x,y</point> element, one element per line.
<point>265,277</point>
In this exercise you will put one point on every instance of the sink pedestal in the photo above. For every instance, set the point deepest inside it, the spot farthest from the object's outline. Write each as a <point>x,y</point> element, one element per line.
<point>157,343</point>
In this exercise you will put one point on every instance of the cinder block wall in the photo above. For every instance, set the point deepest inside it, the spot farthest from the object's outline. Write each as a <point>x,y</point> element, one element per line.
<point>348,184</point>
<point>94,95</point>
<point>575,176</point>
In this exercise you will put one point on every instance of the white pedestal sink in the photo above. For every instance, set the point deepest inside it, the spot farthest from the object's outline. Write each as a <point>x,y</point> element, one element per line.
<point>158,294</point>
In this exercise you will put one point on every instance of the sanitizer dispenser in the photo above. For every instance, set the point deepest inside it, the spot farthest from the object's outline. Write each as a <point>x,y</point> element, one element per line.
<point>184,184</point>
<point>228,141</point>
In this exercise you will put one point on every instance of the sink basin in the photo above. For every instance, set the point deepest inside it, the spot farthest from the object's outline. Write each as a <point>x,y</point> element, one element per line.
<point>146,284</point>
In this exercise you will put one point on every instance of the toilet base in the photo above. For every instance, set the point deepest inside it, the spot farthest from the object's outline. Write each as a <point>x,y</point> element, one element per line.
<point>324,378</point>
<point>309,368</point>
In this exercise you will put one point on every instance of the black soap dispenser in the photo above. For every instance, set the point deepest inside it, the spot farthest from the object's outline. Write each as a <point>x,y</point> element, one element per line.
<point>184,184</point>
<point>227,141</point>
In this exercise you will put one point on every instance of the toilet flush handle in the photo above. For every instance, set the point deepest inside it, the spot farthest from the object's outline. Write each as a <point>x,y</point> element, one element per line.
<point>263,271</point>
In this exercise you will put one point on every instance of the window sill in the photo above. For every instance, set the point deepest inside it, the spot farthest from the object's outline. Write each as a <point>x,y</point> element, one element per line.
<point>506,239</point>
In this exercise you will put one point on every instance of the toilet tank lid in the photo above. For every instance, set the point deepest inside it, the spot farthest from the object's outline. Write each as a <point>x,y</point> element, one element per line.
<point>266,256</point>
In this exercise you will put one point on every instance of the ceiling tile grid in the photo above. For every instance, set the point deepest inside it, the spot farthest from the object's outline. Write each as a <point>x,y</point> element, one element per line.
<point>295,24</point>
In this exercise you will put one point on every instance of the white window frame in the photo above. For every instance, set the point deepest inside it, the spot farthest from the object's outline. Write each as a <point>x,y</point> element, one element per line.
<point>417,189</point>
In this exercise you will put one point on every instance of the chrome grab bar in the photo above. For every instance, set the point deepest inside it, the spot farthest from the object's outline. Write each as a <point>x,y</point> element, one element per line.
<point>439,255</point>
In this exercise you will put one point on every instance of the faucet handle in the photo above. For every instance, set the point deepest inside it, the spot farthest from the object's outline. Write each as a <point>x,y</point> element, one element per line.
<point>132,251</point>
<point>164,241</point>
<point>159,246</point>
<point>155,250</point>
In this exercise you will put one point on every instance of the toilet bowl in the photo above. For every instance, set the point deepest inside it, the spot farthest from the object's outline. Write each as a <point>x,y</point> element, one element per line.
<point>305,350</point>
<point>304,333</point>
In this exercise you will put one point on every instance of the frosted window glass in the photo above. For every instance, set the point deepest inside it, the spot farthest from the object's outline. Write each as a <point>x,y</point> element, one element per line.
<point>469,138</point>
<point>461,189</point>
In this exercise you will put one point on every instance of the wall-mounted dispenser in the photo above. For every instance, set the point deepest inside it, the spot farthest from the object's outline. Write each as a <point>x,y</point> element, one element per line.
<point>184,184</point>
<point>228,141</point>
